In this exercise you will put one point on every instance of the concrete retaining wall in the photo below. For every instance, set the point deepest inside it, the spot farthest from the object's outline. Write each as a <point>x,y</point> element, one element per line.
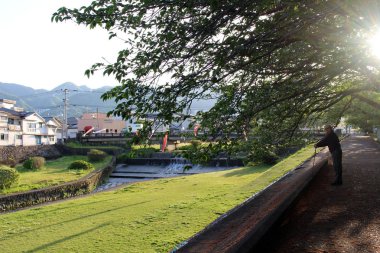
<point>78,187</point>
<point>20,153</point>
<point>83,151</point>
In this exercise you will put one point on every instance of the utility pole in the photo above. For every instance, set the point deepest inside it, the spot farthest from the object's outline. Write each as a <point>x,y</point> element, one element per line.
<point>65,107</point>
<point>64,129</point>
<point>97,117</point>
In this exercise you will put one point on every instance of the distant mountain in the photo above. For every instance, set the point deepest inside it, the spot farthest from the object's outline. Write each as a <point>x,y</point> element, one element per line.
<point>72,86</point>
<point>20,90</point>
<point>50,103</point>
<point>80,99</point>
<point>104,89</point>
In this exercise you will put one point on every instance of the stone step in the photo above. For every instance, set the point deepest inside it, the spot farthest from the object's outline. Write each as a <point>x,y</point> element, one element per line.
<point>152,173</point>
<point>125,180</point>
<point>136,172</point>
<point>138,175</point>
<point>140,169</point>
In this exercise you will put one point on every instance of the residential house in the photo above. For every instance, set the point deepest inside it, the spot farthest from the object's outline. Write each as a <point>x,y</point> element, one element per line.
<point>72,127</point>
<point>56,126</point>
<point>18,127</point>
<point>157,126</point>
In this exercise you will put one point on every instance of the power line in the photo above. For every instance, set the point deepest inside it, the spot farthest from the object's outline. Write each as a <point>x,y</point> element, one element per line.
<point>36,94</point>
<point>100,106</point>
<point>74,105</point>
<point>60,90</point>
<point>47,107</point>
<point>91,91</point>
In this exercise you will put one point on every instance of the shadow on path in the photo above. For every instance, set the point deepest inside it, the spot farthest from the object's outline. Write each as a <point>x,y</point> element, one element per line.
<point>335,219</point>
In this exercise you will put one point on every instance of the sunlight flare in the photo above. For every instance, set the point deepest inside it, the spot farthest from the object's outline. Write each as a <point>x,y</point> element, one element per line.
<point>374,44</point>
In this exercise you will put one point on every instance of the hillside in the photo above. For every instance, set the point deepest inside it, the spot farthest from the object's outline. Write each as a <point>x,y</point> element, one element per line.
<point>50,103</point>
<point>80,99</point>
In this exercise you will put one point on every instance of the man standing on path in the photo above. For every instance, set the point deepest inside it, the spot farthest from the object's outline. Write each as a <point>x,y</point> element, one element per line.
<point>332,141</point>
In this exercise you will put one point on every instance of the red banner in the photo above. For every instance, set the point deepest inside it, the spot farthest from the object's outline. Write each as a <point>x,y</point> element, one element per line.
<point>196,128</point>
<point>164,142</point>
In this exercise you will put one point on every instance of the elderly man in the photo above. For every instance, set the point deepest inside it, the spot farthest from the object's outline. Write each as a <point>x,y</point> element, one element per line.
<point>332,141</point>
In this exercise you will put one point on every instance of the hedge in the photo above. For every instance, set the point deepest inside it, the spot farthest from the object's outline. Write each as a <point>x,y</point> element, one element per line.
<point>96,155</point>
<point>34,163</point>
<point>11,162</point>
<point>63,191</point>
<point>80,165</point>
<point>8,176</point>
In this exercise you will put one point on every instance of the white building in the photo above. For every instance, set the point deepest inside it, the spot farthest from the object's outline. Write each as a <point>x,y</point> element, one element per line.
<point>55,125</point>
<point>72,127</point>
<point>25,128</point>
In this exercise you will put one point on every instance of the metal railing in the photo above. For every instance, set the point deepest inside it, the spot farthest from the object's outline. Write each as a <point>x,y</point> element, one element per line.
<point>14,127</point>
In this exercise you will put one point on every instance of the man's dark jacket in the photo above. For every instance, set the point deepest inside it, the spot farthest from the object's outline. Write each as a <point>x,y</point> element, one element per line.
<point>331,140</point>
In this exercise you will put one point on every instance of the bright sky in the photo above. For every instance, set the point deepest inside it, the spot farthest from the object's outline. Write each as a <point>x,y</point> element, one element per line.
<point>38,53</point>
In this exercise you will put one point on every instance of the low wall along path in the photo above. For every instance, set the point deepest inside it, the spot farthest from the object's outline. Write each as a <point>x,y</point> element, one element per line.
<point>336,218</point>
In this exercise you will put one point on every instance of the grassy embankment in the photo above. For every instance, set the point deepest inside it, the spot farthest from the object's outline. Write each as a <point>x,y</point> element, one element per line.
<point>144,217</point>
<point>55,172</point>
<point>81,145</point>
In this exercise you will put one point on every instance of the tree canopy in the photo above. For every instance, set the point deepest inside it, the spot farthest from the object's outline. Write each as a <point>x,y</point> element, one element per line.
<point>364,114</point>
<point>270,64</point>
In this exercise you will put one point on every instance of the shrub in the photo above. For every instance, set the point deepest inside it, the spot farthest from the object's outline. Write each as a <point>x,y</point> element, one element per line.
<point>96,155</point>
<point>264,155</point>
<point>178,153</point>
<point>11,162</point>
<point>145,152</point>
<point>8,176</point>
<point>122,158</point>
<point>198,154</point>
<point>195,143</point>
<point>270,158</point>
<point>34,163</point>
<point>131,154</point>
<point>184,147</point>
<point>81,165</point>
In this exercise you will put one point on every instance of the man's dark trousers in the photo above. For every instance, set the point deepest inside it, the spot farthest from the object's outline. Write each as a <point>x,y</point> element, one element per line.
<point>337,164</point>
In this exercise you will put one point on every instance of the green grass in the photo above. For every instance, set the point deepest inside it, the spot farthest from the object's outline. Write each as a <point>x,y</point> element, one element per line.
<point>54,172</point>
<point>153,146</point>
<point>157,146</point>
<point>80,145</point>
<point>151,216</point>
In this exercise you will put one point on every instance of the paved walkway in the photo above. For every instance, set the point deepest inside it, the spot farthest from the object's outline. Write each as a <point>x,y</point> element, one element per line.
<point>336,218</point>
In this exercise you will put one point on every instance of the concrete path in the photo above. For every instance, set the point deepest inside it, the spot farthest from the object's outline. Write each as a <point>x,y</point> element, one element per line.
<point>336,218</point>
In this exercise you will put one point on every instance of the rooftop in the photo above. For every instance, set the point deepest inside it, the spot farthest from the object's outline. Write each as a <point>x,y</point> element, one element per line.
<point>8,101</point>
<point>21,114</point>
